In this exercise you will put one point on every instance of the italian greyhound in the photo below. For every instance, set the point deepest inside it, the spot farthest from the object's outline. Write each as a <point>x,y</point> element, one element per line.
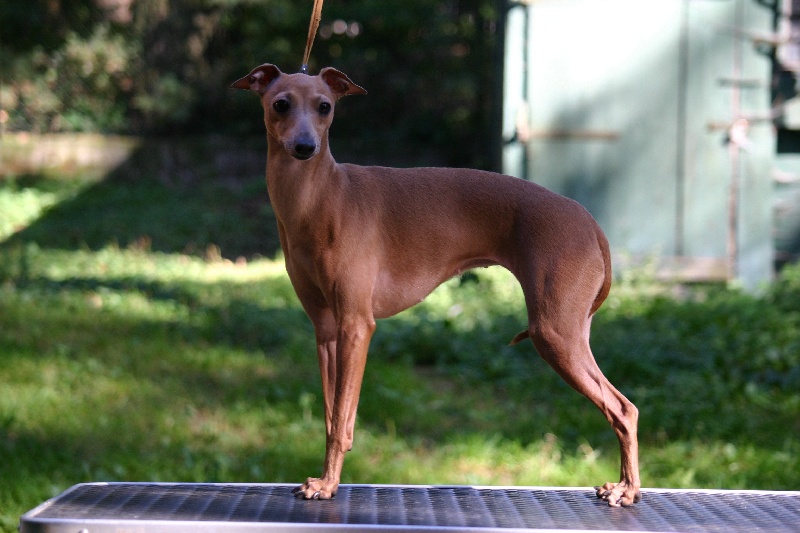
<point>363,243</point>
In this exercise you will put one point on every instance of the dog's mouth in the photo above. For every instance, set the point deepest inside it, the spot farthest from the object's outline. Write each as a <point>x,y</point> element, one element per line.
<point>302,157</point>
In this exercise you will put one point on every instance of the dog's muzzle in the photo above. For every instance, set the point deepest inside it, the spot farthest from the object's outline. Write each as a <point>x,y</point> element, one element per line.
<point>304,151</point>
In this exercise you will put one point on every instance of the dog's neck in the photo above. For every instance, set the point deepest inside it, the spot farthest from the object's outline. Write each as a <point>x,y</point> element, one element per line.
<point>297,189</point>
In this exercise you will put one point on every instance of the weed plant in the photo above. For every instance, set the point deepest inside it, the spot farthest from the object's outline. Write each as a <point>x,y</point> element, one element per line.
<point>145,359</point>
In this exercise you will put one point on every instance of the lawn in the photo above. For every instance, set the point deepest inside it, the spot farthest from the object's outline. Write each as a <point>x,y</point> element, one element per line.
<point>142,338</point>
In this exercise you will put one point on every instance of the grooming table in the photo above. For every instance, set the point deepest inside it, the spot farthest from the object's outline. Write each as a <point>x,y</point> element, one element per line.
<point>234,508</point>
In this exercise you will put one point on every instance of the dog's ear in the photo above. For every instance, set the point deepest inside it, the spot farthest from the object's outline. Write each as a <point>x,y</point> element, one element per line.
<point>339,83</point>
<point>258,79</point>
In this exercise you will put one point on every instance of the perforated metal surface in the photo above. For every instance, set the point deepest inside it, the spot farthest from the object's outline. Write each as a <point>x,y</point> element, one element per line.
<point>121,507</point>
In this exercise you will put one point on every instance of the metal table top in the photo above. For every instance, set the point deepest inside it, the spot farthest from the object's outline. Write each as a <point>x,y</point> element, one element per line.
<point>233,508</point>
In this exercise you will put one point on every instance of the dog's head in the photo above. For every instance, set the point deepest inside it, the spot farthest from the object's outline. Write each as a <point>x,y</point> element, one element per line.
<point>298,108</point>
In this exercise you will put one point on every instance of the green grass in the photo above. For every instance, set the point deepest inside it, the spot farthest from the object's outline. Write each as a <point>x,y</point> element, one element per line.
<point>139,353</point>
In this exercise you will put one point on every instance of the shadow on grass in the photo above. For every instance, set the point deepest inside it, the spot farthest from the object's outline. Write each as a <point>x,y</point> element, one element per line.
<point>203,196</point>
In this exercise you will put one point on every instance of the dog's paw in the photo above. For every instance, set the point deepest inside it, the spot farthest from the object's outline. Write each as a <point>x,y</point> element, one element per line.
<point>619,494</point>
<point>316,489</point>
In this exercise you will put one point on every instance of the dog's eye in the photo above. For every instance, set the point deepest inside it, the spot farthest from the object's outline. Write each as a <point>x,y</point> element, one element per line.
<point>281,106</point>
<point>324,108</point>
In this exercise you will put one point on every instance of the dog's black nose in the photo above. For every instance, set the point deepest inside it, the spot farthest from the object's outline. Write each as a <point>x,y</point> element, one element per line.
<point>303,150</point>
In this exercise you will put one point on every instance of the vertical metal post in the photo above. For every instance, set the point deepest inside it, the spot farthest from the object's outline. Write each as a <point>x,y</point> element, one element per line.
<point>498,88</point>
<point>515,88</point>
<point>526,51</point>
<point>734,149</point>
<point>680,152</point>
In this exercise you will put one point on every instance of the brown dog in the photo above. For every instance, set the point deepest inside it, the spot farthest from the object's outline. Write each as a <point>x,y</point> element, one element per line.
<point>363,243</point>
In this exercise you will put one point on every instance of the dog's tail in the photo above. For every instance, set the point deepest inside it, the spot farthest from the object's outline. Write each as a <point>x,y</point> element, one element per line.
<point>602,294</point>
<point>521,336</point>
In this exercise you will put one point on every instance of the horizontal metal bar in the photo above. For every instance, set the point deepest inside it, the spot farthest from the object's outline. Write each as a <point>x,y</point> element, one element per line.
<point>743,83</point>
<point>569,135</point>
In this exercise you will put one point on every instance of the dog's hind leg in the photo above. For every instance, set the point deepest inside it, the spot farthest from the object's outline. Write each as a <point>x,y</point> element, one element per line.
<point>559,323</point>
<point>569,354</point>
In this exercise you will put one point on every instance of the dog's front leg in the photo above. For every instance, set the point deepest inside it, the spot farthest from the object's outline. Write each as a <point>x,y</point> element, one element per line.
<point>326,333</point>
<point>352,342</point>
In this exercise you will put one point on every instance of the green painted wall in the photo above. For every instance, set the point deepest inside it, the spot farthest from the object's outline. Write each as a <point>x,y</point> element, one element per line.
<point>625,106</point>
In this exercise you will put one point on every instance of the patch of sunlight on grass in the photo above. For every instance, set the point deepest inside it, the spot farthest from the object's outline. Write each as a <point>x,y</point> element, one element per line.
<point>719,464</point>
<point>488,289</point>
<point>19,208</point>
<point>21,204</point>
<point>476,460</point>
<point>114,263</point>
